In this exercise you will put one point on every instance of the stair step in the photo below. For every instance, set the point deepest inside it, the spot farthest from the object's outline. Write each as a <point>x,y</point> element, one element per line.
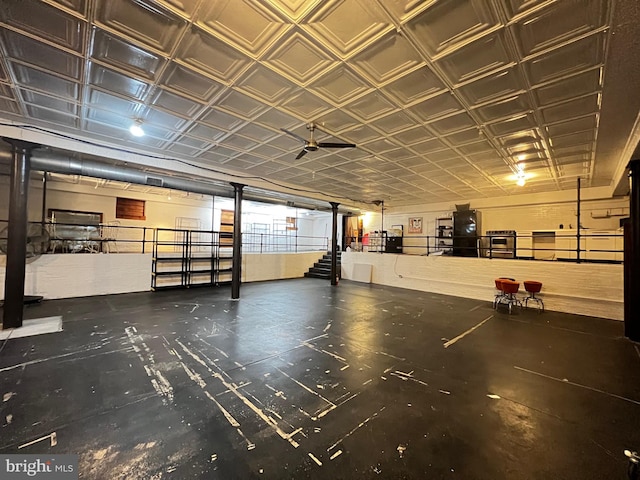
<point>317,275</point>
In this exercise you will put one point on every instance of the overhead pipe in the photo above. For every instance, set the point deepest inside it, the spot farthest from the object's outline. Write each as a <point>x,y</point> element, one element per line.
<point>63,164</point>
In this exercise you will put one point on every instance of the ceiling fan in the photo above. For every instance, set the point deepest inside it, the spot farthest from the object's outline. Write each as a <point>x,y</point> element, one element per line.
<point>311,145</point>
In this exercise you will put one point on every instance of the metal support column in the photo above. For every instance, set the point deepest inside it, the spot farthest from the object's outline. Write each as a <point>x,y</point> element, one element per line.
<point>632,258</point>
<point>236,274</point>
<point>17,233</point>
<point>334,243</point>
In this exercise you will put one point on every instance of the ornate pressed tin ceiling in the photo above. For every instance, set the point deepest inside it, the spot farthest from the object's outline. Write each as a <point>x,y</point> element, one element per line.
<point>443,98</point>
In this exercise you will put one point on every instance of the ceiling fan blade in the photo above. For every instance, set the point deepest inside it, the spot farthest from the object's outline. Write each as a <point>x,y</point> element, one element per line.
<point>336,145</point>
<point>294,135</point>
<point>301,154</point>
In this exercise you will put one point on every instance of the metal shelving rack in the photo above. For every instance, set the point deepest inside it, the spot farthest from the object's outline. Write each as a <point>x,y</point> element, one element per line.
<point>192,258</point>
<point>444,234</point>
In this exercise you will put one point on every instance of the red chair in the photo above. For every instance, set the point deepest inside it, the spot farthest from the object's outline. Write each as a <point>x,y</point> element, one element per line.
<point>532,287</point>
<point>510,289</point>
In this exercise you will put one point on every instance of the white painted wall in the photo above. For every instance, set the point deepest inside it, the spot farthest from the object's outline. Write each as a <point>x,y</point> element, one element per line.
<point>545,212</point>
<point>79,275</point>
<point>258,267</point>
<point>580,288</point>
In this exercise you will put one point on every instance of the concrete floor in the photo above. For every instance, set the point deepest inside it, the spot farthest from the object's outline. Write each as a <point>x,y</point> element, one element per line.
<point>300,379</point>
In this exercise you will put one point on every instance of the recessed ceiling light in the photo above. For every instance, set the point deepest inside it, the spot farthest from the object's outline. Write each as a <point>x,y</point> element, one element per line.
<point>136,130</point>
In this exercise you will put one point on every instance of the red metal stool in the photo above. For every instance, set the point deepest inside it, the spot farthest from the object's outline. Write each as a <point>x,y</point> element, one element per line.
<point>532,287</point>
<point>500,294</point>
<point>510,289</point>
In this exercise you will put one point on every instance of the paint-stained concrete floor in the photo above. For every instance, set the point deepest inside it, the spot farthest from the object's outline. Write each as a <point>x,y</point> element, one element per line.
<point>300,379</point>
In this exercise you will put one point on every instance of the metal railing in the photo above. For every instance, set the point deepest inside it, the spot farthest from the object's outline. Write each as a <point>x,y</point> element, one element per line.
<point>586,247</point>
<point>114,238</point>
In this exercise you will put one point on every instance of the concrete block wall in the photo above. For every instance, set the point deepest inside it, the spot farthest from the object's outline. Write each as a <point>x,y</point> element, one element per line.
<point>80,275</point>
<point>585,289</point>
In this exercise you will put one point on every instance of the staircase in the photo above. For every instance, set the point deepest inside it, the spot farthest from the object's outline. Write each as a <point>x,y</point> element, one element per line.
<point>322,268</point>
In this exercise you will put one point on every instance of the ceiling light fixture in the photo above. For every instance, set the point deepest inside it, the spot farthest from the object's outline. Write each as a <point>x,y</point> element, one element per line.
<point>136,129</point>
<point>520,175</point>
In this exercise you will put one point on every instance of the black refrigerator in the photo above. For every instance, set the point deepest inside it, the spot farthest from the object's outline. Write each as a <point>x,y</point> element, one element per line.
<point>465,233</point>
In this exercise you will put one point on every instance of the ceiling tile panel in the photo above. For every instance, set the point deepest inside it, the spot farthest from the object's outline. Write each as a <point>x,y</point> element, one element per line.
<point>560,22</point>
<point>366,22</point>
<point>102,129</point>
<point>371,106</point>
<point>113,103</point>
<point>175,103</point>
<point>479,58</point>
<point>29,51</point>
<point>304,104</point>
<point>274,118</point>
<point>211,55</point>
<point>449,23</point>
<point>126,56</point>
<point>205,132</point>
<point>44,82</point>
<point>246,24</point>
<point>185,150</point>
<point>238,142</point>
<point>575,125</point>
<point>414,86</point>
<point>222,120</point>
<point>340,85</point>
<point>380,145</point>
<point>574,108</point>
<point>337,121</point>
<point>268,151</point>
<point>362,134</point>
<point>300,59</point>
<point>162,119</point>
<point>561,141</point>
<point>465,136</point>
<point>6,92</point>
<point>257,133</point>
<point>588,82</point>
<point>265,84</point>
<point>505,83</point>
<point>141,20</point>
<point>44,20</point>
<point>568,60</point>
<point>387,59</point>
<point>393,123</point>
<point>430,145</point>
<point>9,106</point>
<point>193,142</point>
<point>525,122</point>
<point>412,135</point>
<point>112,119</point>
<point>184,80</point>
<point>79,6</point>
<point>435,107</point>
<point>460,121</point>
<point>108,79</point>
<point>53,116</point>
<point>477,147</point>
<point>51,103</point>
<point>184,8</point>
<point>515,106</point>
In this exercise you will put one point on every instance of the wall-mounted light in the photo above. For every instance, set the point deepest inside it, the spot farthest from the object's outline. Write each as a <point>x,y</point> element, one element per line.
<point>136,129</point>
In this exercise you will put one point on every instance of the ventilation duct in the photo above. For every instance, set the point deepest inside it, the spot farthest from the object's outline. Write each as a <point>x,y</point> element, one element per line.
<point>63,164</point>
